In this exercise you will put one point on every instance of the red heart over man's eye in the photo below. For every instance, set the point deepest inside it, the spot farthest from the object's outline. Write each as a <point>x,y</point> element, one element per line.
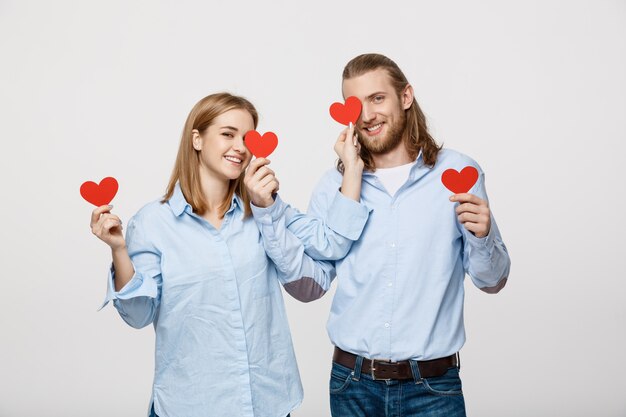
<point>346,113</point>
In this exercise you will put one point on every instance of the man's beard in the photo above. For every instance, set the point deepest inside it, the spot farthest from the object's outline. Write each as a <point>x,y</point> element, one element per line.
<point>381,145</point>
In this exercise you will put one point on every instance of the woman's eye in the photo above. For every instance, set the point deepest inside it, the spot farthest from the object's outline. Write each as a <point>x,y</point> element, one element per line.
<point>230,135</point>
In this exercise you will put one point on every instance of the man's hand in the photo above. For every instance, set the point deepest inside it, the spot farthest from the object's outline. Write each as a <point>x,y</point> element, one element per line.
<point>261,183</point>
<point>473,213</point>
<point>347,148</point>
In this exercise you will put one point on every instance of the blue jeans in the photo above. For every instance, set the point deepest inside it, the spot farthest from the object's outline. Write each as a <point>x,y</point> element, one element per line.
<point>353,394</point>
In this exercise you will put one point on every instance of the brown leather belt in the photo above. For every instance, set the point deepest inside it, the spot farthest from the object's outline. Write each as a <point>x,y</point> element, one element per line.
<point>382,369</point>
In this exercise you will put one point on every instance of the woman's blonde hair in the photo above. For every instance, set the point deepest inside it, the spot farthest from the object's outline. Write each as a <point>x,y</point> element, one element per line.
<point>187,167</point>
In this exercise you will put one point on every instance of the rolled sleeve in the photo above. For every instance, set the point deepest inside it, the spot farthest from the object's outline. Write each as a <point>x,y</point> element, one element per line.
<point>486,259</point>
<point>346,216</point>
<point>309,279</point>
<point>137,302</point>
<point>138,286</point>
<point>323,237</point>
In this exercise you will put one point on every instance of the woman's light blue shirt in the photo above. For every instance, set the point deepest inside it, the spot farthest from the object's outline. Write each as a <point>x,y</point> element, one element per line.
<point>223,346</point>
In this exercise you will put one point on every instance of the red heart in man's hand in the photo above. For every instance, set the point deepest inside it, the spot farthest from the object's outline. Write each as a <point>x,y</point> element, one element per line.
<point>460,182</point>
<point>346,113</point>
<point>261,146</point>
<point>99,194</point>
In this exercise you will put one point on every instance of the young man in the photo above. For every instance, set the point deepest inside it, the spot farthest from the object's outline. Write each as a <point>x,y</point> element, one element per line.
<point>397,316</point>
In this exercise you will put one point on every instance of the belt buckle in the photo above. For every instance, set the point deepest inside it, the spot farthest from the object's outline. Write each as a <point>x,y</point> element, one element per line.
<point>372,369</point>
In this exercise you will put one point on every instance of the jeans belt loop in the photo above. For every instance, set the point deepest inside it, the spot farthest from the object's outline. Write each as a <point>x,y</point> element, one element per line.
<point>415,370</point>
<point>356,372</point>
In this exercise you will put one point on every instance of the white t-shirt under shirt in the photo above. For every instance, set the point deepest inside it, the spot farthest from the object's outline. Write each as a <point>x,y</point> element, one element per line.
<point>394,178</point>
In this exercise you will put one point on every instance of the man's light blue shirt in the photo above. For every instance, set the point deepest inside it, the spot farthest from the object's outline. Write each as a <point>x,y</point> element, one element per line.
<point>400,287</point>
<point>223,346</point>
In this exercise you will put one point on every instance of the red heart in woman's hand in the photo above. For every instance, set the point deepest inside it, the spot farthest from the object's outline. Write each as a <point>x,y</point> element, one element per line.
<point>261,146</point>
<point>99,194</point>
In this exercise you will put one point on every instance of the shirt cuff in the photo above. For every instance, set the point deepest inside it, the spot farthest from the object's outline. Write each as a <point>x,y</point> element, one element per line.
<point>267,215</point>
<point>346,216</point>
<point>136,287</point>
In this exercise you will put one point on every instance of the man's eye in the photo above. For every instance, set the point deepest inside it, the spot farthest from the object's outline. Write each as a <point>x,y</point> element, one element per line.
<point>378,99</point>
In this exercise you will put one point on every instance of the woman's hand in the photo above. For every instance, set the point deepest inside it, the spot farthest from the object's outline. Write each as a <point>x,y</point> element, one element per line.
<point>107,227</point>
<point>261,183</point>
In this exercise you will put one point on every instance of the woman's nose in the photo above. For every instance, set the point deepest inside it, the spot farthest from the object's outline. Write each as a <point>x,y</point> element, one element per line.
<point>239,145</point>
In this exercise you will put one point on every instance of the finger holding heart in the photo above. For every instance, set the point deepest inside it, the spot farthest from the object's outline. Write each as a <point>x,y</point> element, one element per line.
<point>261,183</point>
<point>348,147</point>
<point>473,213</point>
<point>107,227</point>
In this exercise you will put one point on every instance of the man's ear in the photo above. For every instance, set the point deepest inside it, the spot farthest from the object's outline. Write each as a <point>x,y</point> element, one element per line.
<point>196,140</point>
<point>407,97</point>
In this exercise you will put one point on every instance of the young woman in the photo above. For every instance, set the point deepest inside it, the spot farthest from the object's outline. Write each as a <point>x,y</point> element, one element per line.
<point>194,265</point>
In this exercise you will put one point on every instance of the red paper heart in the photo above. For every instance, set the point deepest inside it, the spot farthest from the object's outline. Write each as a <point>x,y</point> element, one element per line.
<point>261,146</point>
<point>346,113</point>
<point>460,182</point>
<point>99,194</point>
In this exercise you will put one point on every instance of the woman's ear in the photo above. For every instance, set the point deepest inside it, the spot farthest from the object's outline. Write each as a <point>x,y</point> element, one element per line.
<point>196,140</point>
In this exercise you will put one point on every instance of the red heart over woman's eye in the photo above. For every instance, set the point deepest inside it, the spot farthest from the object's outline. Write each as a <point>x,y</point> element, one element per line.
<point>261,146</point>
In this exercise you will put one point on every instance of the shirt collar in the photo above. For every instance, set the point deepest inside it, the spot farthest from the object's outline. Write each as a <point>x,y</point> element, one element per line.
<point>179,204</point>
<point>235,202</point>
<point>419,161</point>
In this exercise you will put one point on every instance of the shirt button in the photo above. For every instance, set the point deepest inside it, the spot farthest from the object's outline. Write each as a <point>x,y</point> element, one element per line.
<point>393,245</point>
<point>390,284</point>
<point>387,325</point>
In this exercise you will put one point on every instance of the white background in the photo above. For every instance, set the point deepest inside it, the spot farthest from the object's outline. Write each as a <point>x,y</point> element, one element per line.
<point>535,91</point>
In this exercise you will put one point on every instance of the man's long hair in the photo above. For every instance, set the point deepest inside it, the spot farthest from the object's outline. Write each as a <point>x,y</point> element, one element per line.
<point>417,137</point>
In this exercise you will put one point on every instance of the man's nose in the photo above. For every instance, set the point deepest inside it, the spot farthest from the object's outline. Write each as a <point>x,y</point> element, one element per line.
<point>367,113</point>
